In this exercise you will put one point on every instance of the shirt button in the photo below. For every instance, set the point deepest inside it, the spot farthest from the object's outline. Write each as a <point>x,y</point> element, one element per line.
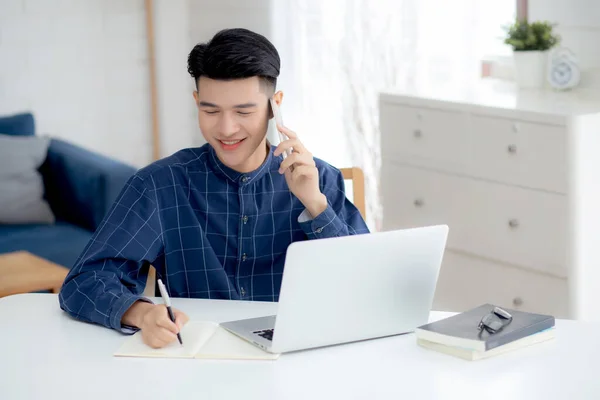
<point>245,179</point>
<point>244,257</point>
<point>245,219</point>
<point>319,230</point>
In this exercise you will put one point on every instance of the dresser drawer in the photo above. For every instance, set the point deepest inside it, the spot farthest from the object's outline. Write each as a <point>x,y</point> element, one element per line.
<point>413,197</point>
<point>512,225</point>
<point>518,226</point>
<point>521,153</point>
<point>466,282</point>
<point>424,136</point>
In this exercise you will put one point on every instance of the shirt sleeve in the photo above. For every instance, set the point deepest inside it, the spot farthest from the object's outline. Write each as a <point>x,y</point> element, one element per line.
<point>340,218</point>
<point>110,275</point>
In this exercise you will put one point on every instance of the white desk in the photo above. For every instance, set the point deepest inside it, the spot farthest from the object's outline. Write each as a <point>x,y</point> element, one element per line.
<point>45,354</point>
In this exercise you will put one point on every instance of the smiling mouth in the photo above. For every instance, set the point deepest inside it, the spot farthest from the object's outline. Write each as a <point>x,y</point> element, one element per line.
<point>230,145</point>
<point>230,142</point>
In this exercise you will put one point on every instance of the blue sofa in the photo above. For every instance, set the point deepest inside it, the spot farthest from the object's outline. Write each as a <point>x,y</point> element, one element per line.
<point>80,187</point>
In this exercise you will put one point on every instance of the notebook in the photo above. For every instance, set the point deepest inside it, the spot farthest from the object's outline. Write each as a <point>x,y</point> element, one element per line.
<point>473,355</point>
<point>461,329</point>
<point>201,339</point>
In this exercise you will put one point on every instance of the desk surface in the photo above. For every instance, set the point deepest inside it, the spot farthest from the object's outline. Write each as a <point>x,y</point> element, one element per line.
<point>46,354</point>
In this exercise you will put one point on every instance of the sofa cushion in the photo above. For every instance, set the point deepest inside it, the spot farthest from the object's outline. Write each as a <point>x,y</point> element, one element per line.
<point>18,124</point>
<point>61,243</point>
<point>21,184</point>
<point>82,185</point>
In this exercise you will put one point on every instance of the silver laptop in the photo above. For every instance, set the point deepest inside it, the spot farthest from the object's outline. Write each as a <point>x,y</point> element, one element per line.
<point>351,288</point>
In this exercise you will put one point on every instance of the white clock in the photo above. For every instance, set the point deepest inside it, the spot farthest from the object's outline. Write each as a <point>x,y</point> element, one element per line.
<point>563,71</point>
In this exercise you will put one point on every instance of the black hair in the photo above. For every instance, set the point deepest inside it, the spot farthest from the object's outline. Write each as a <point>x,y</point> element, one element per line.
<point>235,54</point>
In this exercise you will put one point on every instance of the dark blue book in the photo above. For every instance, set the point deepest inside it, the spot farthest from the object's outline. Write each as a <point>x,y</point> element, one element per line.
<point>462,330</point>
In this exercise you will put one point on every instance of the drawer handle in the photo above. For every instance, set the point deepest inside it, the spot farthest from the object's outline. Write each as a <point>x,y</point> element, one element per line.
<point>419,202</point>
<point>513,223</point>
<point>512,148</point>
<point>417,133</point>
<point>517,302</point>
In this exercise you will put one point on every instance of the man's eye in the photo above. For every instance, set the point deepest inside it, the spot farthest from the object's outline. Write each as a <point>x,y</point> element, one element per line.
<point>211,112</point>
<point>244,113</point>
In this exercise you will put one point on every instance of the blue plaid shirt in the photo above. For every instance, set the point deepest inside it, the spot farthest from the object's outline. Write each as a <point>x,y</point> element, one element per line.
<point>209,231</point>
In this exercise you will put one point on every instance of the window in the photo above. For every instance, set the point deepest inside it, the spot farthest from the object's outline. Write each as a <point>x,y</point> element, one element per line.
<point>338,54</point>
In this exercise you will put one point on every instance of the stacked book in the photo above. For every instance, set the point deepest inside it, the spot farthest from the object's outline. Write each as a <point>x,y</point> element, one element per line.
<point>485,331</point>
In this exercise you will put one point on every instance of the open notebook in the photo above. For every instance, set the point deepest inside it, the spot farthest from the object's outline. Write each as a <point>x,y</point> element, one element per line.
<point>201,339</point>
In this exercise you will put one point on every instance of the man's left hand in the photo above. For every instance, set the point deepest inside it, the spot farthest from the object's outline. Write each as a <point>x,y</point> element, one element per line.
<point>301,173</point>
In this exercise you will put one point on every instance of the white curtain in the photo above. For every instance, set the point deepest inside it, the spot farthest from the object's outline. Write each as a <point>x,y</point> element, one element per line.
<point>337,55</point>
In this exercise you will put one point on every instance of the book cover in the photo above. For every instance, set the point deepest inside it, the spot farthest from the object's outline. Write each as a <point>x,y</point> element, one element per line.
<point>461,330</point>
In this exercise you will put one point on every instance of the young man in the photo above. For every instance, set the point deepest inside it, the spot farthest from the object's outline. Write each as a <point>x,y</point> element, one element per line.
<point>214,221</point>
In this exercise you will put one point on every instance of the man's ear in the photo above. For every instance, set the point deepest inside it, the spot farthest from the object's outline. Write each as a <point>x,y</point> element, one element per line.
<point>278,97</point>
<point>196,96</point>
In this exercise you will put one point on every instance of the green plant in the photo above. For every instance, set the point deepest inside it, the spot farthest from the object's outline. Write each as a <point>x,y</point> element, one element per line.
<point>525,36</point>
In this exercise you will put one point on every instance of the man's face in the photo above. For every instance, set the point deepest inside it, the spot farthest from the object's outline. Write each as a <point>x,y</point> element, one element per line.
<point>233,117</point>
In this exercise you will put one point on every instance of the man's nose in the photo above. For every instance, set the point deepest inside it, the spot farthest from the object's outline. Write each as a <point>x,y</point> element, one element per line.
<point>228,126</point>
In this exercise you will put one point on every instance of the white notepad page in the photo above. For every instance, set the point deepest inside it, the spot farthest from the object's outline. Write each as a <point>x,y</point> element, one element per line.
<point>201,339</point>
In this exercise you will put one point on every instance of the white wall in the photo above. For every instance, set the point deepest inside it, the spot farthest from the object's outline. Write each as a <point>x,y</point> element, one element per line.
<point>81,66</point>
<point>579,25</point>
<point>176,111</point>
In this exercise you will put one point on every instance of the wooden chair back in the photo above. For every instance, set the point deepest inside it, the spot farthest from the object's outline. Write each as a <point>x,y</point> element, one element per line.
<point>357,177</point>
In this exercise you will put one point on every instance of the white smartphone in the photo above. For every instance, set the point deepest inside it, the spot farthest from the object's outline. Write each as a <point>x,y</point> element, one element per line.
<point>279,120</point>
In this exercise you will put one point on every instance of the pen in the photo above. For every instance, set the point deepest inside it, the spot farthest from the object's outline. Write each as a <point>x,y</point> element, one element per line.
<point>167,300</point>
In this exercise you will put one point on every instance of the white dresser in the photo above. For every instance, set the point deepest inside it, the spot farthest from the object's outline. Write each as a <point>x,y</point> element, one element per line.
<point>516,177</point>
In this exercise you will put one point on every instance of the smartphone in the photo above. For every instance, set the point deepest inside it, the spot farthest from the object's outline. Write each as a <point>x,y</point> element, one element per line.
<point>279,120</point>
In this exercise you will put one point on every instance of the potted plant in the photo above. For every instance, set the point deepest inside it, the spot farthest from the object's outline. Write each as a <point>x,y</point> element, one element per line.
<point>531,43</point>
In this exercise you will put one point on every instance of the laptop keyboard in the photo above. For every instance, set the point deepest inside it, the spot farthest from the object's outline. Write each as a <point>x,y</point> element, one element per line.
<point>266,333</point>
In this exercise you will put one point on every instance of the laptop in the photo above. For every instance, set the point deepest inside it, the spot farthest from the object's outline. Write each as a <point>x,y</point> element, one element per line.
<point>351,288</point>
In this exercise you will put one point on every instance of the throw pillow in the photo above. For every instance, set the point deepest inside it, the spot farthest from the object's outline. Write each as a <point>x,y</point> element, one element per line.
<point>22,124</point>
<point>21,184</point>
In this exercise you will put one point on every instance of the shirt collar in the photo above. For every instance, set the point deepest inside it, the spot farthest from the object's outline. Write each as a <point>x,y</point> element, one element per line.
<point>232,175</point>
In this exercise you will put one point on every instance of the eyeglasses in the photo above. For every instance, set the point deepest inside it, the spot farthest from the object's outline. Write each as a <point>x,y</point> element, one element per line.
<point>495,321</point>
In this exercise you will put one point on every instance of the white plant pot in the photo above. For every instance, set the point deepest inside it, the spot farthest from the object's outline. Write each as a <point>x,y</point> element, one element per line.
<point>530,68</point>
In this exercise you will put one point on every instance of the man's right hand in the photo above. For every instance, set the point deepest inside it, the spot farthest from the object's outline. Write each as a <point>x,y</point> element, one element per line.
<point>153,319</point>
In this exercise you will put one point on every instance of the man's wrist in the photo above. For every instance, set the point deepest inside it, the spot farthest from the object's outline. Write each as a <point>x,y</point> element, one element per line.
<point>134,315</point>
<point>316,206</point>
